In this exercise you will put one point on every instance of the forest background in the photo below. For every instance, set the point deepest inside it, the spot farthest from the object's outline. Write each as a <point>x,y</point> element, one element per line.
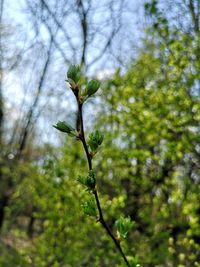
<point>147,56</point>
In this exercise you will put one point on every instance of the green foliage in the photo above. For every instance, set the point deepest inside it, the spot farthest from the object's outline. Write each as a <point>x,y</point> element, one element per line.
<point>148,168</point>
<point>151,7</point>
<point>95,140</point>
<point>89,181</point>
<point>74,74</point>
<point>123,226</point>
<point>11,257</point>
<point>89,207</point>
<point>92,87</point>
<point>66,128</point>
<point>133,262</point>
<point>151,142</point>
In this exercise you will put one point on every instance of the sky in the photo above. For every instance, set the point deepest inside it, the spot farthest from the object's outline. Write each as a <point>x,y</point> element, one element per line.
<point>21,83</point>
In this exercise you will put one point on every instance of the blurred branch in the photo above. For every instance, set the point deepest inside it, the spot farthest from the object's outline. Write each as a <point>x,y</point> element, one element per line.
<point>52,35</point>
<point>112,35</point>
<point>59,25</point>
<point>84,25</point>
<point>1,71</point>
<point>195,17</point>
<point>25,132</point>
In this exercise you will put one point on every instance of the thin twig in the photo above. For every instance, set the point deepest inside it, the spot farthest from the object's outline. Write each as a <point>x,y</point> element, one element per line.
<point>95,192</point>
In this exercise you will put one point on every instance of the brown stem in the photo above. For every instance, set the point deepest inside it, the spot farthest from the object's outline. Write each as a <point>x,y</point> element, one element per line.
<point>95,192</point>
<point>82,135</point>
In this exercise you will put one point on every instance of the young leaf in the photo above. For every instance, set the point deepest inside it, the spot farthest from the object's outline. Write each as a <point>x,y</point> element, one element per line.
<point>89,181</point>
<point>74,73</point>
<point>95,140</point>
<point>123,225</point>
<point>65,128</point>
<point>82,180</point>
<point>89,207</point>
<point>92,87</point>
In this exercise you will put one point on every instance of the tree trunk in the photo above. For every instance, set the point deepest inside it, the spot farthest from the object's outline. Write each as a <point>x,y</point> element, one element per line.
<point>3,204</point>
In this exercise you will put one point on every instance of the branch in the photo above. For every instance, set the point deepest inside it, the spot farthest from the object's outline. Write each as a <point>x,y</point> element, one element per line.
<point>51,33</point>
<point>95,192</point>
<point>84,26</point>
<point>60,26</point>
<point>194,16</point>
<point>26,129</point>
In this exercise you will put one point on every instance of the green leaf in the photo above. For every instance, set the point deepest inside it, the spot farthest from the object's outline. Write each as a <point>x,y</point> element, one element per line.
<point>65,128</point>
<point>92,87</point>
<point>82,180</point>
<point>74,73</point>
<point>123,225</point>
<point>95,140</point>
<point>89,181</point>
<point>93,145</point>
<point>89,207</point>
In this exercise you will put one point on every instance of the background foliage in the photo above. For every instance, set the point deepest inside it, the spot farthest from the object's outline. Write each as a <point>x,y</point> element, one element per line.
<point>147,168</point>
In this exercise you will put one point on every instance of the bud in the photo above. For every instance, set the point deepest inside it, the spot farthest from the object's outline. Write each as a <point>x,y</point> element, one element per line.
<point>74,73</point>
<point>92,87</point>
<point>65,128</point>
<point>95,140</point>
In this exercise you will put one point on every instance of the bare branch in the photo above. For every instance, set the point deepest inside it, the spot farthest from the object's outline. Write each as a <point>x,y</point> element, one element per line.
<point>25,133</point>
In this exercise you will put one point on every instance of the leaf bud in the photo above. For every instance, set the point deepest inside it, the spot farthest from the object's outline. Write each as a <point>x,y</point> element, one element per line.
<point>65,128</point>
<point>74,73</point>
<point>92,87</point>
<point>95,140</point>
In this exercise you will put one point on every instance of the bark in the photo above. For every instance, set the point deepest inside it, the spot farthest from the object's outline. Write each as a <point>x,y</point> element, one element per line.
<point>30,229</point>
<point>3,204</point>
<point>1,72</point>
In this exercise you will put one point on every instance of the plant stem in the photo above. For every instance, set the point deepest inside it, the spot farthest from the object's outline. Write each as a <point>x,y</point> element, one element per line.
<point>95,192</point>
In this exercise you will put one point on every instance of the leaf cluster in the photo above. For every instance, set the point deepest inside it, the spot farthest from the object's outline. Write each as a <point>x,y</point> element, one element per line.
<point>88,181</point>
<point>89,207</point>
<point>76,80</point>
<point>73,75</point>
<point>95,140</point>
<point>123,225</point>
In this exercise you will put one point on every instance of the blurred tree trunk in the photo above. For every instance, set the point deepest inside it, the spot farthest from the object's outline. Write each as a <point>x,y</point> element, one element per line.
<point>3,199</point>
<point>3,204</point>
<point>1,72</point>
